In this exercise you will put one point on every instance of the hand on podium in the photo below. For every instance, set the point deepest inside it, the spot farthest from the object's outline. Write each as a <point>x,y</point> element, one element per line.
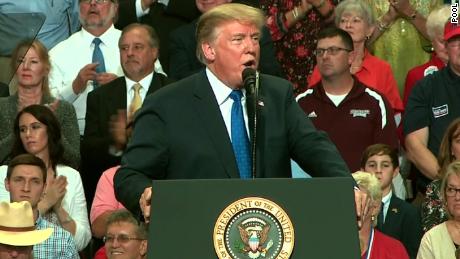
<point>145,203</point>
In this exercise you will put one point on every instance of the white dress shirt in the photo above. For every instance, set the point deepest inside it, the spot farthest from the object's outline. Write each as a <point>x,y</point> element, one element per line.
<point>70,56</point>
<point>386,204</point>
<point>222,93</point>
<point>145,85</point>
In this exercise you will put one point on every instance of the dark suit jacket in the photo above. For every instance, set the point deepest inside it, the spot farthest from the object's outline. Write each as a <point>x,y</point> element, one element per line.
<point>161,18</point>
<point>102,103</point>
<point>403,222</point>
<point>183,60</point>
<point>4,90</point>
<point>180,134</point>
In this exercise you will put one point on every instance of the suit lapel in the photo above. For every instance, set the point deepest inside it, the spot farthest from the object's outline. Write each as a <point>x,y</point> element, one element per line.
<point>117,99</point>
<point>155,84</point>
<point>393,213</point>
<point>208,112</point>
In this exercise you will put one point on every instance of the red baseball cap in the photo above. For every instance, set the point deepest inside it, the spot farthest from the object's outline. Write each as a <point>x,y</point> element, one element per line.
<point>451,30</point>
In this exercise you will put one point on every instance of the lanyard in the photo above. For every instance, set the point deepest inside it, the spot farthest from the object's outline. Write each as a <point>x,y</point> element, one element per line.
<point>369,245</point>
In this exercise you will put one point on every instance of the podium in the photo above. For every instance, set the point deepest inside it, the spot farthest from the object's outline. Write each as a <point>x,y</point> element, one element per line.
<point>190,218</point>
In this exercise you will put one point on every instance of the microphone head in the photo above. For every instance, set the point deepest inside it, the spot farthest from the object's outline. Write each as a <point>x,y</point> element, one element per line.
<point>248,72</point>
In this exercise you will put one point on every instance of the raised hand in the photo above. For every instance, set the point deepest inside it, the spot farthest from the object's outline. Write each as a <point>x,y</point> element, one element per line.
<point>55,192</point>
<point>105,78</point>
<point>85,74</point>
<point>117,129</point>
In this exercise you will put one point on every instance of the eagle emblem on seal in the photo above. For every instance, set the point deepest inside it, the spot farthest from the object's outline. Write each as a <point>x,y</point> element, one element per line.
<point>254,235</point>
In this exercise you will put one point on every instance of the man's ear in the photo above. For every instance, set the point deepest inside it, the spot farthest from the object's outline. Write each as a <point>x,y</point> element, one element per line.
<point>395,172</point>
<point>7,184</point>
<point>351,57</point>
<point>143,248</point>
<point>208,51</point>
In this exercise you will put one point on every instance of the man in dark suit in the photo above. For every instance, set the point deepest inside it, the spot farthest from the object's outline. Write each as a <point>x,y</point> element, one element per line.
<point>163,19</point>
<point>398,218</point>
<point>107,113</point>
<point>182,48</point>
<point>4,90</point>
<point>186,131</point>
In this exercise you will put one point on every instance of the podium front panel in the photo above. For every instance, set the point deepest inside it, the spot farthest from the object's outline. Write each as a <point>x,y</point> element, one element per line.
<point>322,211</point>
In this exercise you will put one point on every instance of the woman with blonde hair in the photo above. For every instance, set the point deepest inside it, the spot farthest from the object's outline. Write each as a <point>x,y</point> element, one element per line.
<point>31,62</point>
<point>433,211</point>
<point>443,240</point>
<point>373,243</point>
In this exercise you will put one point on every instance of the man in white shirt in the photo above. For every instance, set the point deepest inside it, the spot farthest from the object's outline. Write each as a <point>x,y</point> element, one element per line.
<point>74,71</point>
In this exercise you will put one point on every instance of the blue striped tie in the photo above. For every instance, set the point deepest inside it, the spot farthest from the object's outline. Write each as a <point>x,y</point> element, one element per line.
<point>98,58</point>
<point>240,140</point>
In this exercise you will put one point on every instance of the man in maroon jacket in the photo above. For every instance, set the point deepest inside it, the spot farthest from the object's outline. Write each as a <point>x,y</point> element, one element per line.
<point>354,115</point>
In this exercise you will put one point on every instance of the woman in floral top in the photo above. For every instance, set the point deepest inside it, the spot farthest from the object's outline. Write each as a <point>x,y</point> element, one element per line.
<point>433,210</point>
<point>294,25</point>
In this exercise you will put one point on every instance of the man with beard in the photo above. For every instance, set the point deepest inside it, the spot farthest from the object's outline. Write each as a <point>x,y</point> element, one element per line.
<point>89,58</point>
<point>111,108</point>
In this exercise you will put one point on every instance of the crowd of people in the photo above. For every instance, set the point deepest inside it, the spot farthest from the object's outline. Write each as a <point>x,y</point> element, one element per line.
<point>128,89</point>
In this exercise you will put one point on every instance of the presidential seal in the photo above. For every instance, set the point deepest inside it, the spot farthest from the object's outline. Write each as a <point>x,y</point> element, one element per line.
<point>252,228</point>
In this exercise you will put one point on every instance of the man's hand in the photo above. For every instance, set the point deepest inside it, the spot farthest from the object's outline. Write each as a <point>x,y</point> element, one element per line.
<point>362,201</point>
<point>145,203</point>
<point>117,129</point>
<point>105,78</point>
<point>85,74</point>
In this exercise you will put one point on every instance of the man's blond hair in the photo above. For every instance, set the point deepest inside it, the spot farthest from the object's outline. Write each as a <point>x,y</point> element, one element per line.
<point>210,22</point>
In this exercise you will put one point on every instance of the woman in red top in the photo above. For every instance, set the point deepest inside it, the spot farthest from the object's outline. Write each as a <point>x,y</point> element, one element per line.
<point>373,243</point>
<point>357,19</point>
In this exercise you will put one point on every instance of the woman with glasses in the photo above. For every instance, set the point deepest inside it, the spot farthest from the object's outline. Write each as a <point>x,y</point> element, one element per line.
<point>356,18</point>
<point>31,62</point>
<point>443,240</point>
<point>37,131</point>
<point>433,210</point>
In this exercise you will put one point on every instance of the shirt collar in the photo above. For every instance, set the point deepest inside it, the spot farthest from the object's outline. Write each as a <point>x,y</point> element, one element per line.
<point>107,37</point>
<point>366,61</point>
<point>144,82</point>
<point>221,91</point>
<point>386,199</point>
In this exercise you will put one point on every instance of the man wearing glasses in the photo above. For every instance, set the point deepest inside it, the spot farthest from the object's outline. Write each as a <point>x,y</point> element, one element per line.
<point>354,115</point>
<point>125,237</point>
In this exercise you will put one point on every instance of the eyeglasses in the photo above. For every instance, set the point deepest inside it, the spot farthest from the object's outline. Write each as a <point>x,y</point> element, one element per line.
<point>331,51</point>
<point>452,192</point>
<point>123,239</point>
<point>96,1</point>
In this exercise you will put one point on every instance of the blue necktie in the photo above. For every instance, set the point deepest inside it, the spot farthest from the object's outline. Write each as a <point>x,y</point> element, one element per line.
<point>98,58</point>
<point>240,140</point>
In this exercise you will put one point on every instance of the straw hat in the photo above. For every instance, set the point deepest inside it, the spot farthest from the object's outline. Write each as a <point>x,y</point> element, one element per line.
<point>17,226</point>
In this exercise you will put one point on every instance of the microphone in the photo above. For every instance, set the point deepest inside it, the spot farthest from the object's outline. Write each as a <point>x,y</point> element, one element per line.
<point>251,84</point>
<point>250,77</point>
